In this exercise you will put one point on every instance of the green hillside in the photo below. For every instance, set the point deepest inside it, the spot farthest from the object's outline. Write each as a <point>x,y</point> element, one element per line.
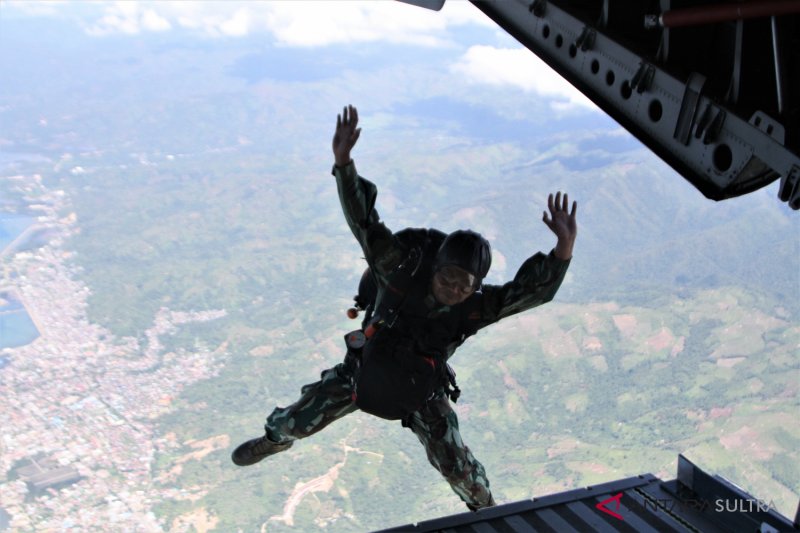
<point>653,350</point>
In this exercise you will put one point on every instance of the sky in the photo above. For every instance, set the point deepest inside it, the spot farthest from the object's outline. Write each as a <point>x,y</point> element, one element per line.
<point>312,24</point>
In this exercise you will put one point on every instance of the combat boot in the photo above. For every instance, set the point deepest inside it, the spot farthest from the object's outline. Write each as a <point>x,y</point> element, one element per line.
<point>475,508</point>
<point>254,450</point>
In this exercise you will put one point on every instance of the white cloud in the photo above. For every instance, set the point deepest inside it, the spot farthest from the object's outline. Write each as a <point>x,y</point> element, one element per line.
<point>322,23</point>
<point>521,68</point>
<point>152,21</point>
<point>238,25</point>
<point>306,24</point>
<point>127,17</point>
<point>230,19</point>
<point>44,8</point>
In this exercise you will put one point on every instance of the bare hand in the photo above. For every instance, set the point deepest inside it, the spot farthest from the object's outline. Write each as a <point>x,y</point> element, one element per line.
<point>562,223</point>
<point>346,135</point>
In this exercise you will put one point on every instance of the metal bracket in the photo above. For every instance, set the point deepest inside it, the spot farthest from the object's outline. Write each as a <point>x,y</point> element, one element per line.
<point>771,127</point>
<point>715,127</point>
<point>538,7</point>
<point>790,192</point>
<point>710,124</point>
<point>586,39</point>
<point>685,472</point>
<point>643,78</point>
<point>433,5</point>
<point>691,97</point>
<point>651,22</point>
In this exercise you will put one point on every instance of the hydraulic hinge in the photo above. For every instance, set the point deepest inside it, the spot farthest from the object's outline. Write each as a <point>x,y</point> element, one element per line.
<point>643,78</point>
<point>538,7</point>
<point>586,39</point>
<point>790,190</point>
<point>691,97</point>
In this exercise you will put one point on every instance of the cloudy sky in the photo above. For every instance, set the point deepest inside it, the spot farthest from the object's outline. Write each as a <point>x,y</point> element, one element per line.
<point>310,24</point>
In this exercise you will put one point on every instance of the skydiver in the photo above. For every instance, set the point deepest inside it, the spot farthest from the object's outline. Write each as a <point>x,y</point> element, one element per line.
<point>424,295</point>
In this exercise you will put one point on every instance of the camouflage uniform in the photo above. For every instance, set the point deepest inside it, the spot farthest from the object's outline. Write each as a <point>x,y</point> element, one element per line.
<point>436,424</point>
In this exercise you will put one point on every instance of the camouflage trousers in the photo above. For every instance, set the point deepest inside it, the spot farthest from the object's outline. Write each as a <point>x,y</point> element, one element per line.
<point>435,425</point>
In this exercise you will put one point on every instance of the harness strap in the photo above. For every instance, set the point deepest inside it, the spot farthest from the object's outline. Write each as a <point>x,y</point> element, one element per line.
<point>451,387</point>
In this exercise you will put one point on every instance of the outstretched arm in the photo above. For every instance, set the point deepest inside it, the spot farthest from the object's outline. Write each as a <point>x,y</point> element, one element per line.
<point>357,196</point>
<point>540,276</point>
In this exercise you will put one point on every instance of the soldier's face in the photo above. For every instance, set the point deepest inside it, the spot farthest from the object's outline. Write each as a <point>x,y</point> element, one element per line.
<point>452,285</point>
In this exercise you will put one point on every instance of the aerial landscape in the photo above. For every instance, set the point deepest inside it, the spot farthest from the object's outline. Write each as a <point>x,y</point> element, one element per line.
<point>175,264</point>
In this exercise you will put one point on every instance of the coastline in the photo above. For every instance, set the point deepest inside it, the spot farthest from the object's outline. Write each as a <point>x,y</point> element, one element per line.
<point>18,326</point>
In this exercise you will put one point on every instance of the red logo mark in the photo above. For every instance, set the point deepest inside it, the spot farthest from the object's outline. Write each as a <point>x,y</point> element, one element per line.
<point>602,506</point>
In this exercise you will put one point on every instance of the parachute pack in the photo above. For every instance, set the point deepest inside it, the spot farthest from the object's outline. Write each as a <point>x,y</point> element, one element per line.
<point>391,378</point>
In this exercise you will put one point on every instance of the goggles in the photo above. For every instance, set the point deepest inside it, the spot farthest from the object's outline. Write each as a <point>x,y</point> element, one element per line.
<point>456,279</point>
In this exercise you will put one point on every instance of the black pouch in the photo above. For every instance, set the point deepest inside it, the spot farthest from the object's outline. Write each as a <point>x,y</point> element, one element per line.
<point>394,380</point>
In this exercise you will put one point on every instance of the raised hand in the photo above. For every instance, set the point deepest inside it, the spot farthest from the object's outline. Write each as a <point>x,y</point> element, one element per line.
<point>346,135</point>
<point>562,223</point>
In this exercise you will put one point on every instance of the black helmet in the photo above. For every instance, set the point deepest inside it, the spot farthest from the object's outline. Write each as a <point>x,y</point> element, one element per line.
<point>467,250</point>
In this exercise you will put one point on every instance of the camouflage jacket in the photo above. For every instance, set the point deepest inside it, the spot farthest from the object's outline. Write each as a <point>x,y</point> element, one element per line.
<point>436,327</point>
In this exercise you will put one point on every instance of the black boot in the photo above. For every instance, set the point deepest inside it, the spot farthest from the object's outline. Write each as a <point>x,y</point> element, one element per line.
<point>490,503</point>
<point>252,451</point>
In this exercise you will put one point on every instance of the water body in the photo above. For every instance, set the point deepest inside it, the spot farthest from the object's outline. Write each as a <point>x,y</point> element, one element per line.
<point>10,158</point>
<point>37,238</point>
<point>16,327</point>
<point>11,226</point>
<point>5,519</point>
<point>16,162</point>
